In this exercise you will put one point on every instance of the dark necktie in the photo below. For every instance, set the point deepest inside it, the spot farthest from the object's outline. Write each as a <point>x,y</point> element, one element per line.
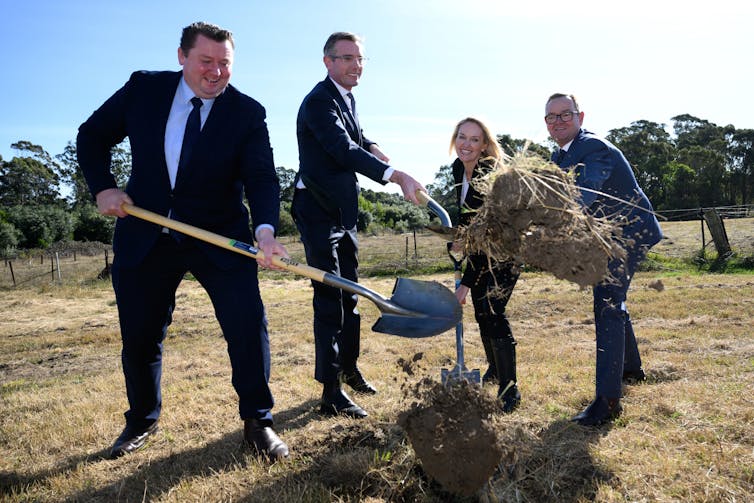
<point>558,158</point>
<point>353,106</point>
<point>353,114</point>
<point>191,135</point>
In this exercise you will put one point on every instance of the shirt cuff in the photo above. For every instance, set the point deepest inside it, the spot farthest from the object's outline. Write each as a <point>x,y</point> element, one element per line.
<point>387,174</point>
<point>263,226</point>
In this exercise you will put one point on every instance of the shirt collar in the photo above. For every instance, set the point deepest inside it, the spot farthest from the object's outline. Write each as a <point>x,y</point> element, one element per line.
<point>185,94</point>
<point>566,146</point>
<point>342,90</point>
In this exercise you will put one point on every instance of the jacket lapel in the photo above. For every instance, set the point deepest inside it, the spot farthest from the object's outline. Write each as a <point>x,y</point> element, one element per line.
<point>348,120</point>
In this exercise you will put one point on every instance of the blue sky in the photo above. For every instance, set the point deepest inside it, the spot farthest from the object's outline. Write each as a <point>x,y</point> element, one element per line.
<point>431,63</point>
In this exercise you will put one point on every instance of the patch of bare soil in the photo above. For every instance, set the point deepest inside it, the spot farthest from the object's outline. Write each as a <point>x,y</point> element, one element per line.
<point>532,215</point>
<point>452,433</point>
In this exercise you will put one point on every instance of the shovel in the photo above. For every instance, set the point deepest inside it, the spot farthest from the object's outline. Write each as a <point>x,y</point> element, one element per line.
<point>459,372</point>
<point>445,229</point>
<point>416,308</point>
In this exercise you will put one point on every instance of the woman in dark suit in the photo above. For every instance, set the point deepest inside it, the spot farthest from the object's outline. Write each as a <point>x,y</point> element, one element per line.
<point>489,281</point>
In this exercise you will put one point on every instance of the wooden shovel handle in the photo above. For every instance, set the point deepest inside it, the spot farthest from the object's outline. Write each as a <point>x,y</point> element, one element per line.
<point>224,242</point>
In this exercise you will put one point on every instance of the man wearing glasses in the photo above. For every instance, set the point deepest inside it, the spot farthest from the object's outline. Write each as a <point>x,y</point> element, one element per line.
<point>332,149</point>
<point>608,189</point>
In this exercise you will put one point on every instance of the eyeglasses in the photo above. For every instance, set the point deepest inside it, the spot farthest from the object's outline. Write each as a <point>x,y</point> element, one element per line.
<point>348,59</point>
<point>565,117</point>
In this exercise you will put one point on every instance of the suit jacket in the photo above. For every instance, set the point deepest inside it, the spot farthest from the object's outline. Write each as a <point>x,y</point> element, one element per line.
<point>332,149</point>
<point>232,156</point>
<point>476,264</point>
<point>602,167</point>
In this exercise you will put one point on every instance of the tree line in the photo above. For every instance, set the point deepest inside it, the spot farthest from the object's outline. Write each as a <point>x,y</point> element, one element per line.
<point>699,165</point>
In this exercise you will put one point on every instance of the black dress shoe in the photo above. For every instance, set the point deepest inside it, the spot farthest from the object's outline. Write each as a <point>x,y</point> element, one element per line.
<point>634,376</point>
<point>600,411</point>
<point>263,439</point>
<point>132,439</point>
<point>335,402</point>
<point>357,383</point>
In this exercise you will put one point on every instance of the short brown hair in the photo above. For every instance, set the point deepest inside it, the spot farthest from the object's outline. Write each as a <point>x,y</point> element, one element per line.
<point>338,35</point>
<point>562,95</point>
<point>211,31</point>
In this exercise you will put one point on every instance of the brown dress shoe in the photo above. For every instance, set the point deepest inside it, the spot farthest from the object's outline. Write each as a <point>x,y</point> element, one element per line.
<point>132,439</point>
<point>263,439</point>
<point>600,411</point>
<point>357,383</point>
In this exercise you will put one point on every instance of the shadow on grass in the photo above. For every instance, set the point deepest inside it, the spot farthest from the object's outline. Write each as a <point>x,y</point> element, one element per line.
<point>156,476</point>
<point>355,461</point>
<point>553,465</point>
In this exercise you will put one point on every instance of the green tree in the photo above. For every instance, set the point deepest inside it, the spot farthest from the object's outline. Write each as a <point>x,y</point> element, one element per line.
<point>71,175</point>
<point>40,225</point>
<point>711,176</point>
<point>286,177</point>
<point>649,148</point>
<point>24,180</point>
<point>91,225</point>
<point>741,161</point>
<point>680,187</point>
<point>9,235</point>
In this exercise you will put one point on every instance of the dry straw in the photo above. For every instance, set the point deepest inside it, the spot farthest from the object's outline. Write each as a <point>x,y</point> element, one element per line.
<point>532,215</point>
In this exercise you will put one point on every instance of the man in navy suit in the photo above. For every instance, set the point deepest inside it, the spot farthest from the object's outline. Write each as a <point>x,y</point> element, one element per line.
<point>332,149</point>
<point>202,186</point>
<point>608,189</point>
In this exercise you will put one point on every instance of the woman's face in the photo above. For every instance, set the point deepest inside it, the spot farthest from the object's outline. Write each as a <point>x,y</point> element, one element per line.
<point>470,143</point>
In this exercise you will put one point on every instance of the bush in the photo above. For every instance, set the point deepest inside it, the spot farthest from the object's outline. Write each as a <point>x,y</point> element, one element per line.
<point>92,226</point>
<point>9,236</point>
<point>40,226</point>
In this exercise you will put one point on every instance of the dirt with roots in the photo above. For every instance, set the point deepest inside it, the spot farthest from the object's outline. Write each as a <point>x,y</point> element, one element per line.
<point>451,429</point>
<point>532,214</point>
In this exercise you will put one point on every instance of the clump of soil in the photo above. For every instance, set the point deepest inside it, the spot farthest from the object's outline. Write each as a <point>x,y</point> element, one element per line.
<point>452,433</point>
<point>533,216</point>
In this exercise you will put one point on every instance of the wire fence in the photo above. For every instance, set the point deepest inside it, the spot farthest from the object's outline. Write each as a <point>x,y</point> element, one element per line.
<point>384,254</point>
<point>736,211</point>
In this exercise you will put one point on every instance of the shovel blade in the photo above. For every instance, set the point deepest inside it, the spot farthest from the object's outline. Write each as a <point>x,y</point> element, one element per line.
<point>457,374</point>
<point>432,309</point>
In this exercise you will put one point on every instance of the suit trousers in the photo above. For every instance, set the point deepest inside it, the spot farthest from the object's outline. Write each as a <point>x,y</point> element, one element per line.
<point>337,323</point>
<point>616,343</point>
<point>489,310</point>
<point>145,295</point>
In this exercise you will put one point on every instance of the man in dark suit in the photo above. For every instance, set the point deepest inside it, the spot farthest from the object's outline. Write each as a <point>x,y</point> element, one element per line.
<point>609,189</point>
<point>332,149</point>
<point>197,144</point>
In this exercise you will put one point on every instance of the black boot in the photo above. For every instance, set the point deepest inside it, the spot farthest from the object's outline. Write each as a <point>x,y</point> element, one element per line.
<point>490,376</point>
<point>505,360</point>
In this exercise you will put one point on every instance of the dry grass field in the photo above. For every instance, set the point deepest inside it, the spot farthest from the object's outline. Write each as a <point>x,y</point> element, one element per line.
<point>687,434</point>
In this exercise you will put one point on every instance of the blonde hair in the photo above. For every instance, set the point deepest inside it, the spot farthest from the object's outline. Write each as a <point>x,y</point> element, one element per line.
<point>491,152</point>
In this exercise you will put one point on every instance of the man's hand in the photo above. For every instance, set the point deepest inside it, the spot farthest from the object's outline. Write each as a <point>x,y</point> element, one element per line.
<point>109,202</point>
<point>409,186</point>
<point>270,246</point>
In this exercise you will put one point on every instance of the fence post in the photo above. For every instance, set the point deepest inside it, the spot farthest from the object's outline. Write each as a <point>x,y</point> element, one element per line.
<point>57,266</point>
<point>406,257</point>
<point>701,221</point>
<point>717,230</point>
<point>12,276</point>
